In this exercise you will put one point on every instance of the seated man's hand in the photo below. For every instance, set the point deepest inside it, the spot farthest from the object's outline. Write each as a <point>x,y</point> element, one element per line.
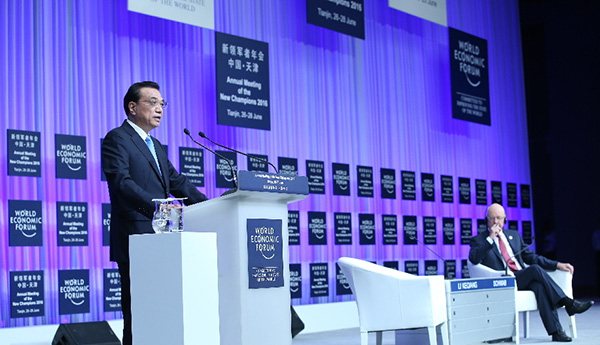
<point>565,267</point>
<point>494,231</point>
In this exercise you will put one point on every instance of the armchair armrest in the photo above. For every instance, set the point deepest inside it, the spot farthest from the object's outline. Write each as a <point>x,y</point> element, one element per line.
<point>482,271</point>
<point>563,279</point>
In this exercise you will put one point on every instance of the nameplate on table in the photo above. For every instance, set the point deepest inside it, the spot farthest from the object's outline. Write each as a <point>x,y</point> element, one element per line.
<point>268,182</point>
<point>482,284</point>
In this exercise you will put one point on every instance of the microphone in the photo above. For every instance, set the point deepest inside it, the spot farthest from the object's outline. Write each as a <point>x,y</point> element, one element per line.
<point>514,256</point>
<point>235,182</point>
<point>431,250</point>
<point>236,151</point>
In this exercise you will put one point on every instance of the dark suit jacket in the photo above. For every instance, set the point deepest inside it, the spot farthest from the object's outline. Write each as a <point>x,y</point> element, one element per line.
<point>133,181</point>
<point>482,252</point>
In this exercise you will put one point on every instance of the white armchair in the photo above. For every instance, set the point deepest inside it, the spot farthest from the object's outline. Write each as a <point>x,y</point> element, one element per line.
<point>388,299</point>
<point>525,300</point>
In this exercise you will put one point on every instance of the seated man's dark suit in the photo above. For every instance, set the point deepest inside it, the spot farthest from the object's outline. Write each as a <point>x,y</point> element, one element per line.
<point>534,277</point>
<point>133,181</point>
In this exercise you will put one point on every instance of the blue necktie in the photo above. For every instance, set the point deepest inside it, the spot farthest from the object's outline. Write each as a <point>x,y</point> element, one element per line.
<point>150,145</point>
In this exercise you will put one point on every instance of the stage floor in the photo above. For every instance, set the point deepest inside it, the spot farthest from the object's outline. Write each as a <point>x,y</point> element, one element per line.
<point>588,331</point>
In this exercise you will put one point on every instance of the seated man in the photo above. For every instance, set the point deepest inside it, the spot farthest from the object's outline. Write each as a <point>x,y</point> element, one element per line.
<point>499,249</point>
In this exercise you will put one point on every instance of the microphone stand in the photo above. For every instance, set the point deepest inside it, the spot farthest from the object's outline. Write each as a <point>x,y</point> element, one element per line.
<point>240,152</point>
<point>514,256</point>
<point>235,181</point>
<point>431,250</point>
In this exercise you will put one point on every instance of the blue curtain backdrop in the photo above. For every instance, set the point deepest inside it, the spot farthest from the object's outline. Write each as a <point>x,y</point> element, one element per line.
<point>381,102</point>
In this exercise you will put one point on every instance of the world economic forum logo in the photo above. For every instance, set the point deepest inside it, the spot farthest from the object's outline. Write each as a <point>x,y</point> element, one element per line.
<point>470,61</point>
<point>74,291</point>
<point>265,257</point>
<point>71,156</point>
<point>469,77</point>
<point>25,223</point>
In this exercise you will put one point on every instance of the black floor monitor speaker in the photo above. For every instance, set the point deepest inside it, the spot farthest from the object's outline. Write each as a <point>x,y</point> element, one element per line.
<point>297,324</point>
<point>85,333</point>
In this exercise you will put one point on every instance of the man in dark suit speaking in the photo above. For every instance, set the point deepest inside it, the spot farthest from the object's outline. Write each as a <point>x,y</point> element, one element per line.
<point>505,249</point>
<point>137,170</point>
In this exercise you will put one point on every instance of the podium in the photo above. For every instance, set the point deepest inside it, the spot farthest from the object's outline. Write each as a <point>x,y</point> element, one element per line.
<point>174,293</point>
<point>253,259</point>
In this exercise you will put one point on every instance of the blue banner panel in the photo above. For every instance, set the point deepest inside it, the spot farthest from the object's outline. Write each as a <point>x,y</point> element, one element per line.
<point>366,228</point>
<point>364,176</point>
<point>317,228</point>
<point>26,294</point>
<point>525,196</point>
<point>448,230</point>
<point>481,192</point>
<point>469,77</point>
<point>102,175</point>
<point>24,153</point>
<point>72,223</point>
<point>258,164</point>
<point>294,228</point>
<point>25,223</point>
<point>409,190</point>
<point>344,16</point>
<point>464,190</point>
<point>482,225</point>
<point>343,227</point>
<point>412,267</point>
<point>71,156</point>
<point>265,253</point>
<point>496,192</point>
<point>447,188</point>
<point>409,228</point>
<point>341,178</point>
<point>464,268</point>
<point>341,283</point>
<point>390,228</point>
<point>388,183</point>
<point>287,166</point>
<point>429,230</point>
<point>427,187</point>
<point>106,210</point>
<point>243,96</point>
<point>449,269</point>
<point>431,267</point>
<point>527,232</point>
<point>391,264</point>
<point>319,281</point>
<point>296,280</point>
<point>511,195</point>
<point>112,290</point>
<point>191,164</point>
<point>224,173</point>
<point>466,230</point>
<point>73,292</point>
<point>315,171</point>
